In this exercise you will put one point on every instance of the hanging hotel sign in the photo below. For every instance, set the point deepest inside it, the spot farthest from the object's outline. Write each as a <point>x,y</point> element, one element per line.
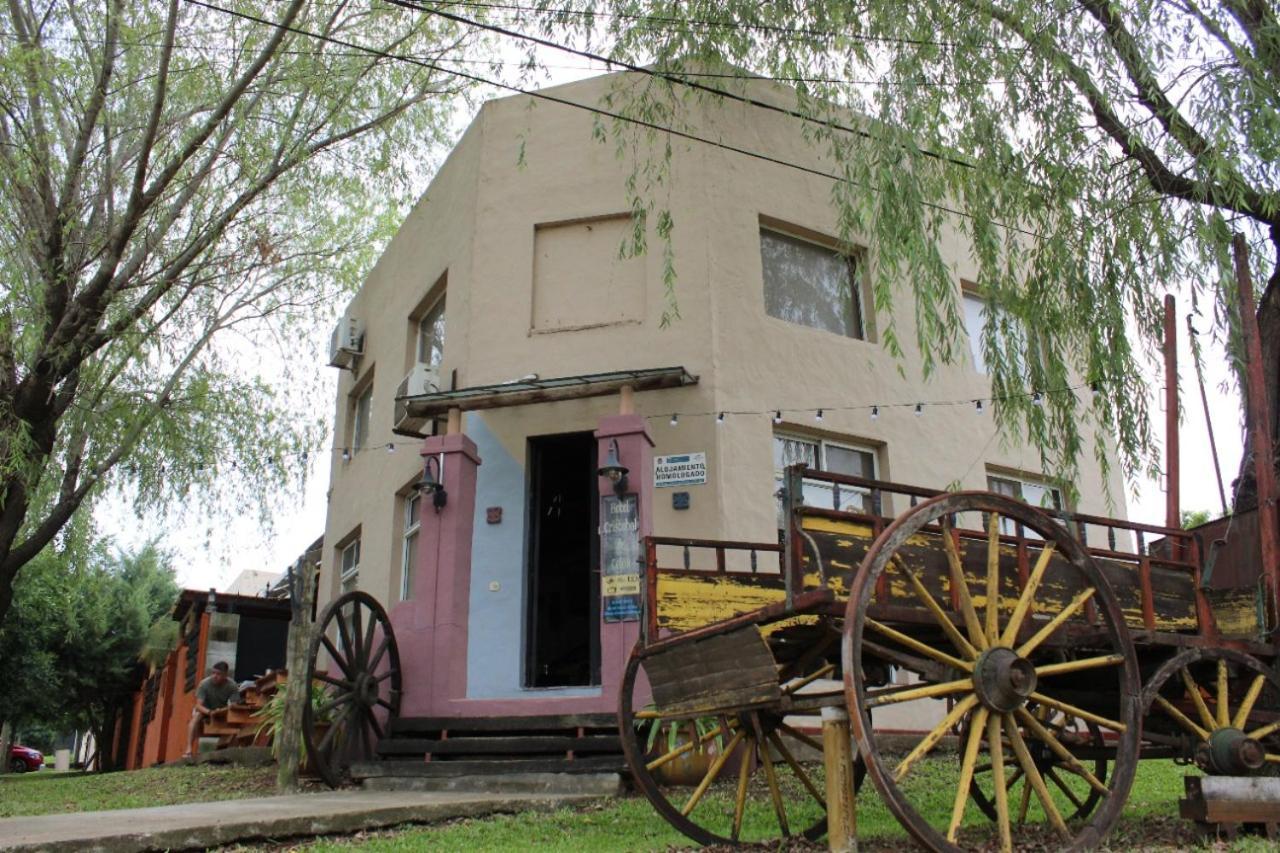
<point>682,469</point>
<point>620,559</point>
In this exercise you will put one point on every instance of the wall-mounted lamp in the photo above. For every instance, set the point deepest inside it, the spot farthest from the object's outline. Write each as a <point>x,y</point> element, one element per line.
<point>432,483</point>
<point>614,469</point>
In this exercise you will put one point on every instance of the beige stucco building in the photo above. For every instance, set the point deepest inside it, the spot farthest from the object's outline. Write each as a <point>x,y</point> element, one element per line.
<point>509,267</point>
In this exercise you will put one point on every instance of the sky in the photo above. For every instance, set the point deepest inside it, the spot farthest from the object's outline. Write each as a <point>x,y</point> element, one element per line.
<point>212,556</point>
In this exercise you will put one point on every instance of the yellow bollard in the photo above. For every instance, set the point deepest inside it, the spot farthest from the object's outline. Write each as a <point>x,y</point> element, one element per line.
<point>837,755</point>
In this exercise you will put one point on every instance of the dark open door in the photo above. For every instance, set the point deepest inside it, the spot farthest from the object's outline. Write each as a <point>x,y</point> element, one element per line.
<point>562,647</point>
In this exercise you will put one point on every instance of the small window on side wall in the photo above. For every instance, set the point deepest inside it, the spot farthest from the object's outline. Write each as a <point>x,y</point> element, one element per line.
<point>431,334</point>
<point>811,284</point>
<point>362,408</point>
<point>1038,493</point>
<point>409,545</point>
<point>349,564</point>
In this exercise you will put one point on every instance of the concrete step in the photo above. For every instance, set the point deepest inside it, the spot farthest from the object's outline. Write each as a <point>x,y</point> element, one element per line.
<point>556,784</point>
<point>464,767</point>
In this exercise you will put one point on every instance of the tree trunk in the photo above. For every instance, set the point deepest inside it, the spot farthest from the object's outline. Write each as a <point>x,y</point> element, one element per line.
<point>288,739</point>
<point>6,741</point>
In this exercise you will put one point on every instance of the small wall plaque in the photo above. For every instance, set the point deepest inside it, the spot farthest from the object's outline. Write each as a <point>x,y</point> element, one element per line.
<point>493,515</point>
<point>679,500</point>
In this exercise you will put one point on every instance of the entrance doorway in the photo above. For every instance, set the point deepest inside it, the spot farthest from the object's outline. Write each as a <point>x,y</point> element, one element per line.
<point>562,647</point>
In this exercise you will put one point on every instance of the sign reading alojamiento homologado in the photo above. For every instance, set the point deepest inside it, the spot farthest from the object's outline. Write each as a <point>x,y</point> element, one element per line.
<point>681,469</point>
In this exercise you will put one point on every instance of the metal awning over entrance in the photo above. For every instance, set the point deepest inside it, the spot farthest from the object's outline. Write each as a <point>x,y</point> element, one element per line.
<point>422,408</point>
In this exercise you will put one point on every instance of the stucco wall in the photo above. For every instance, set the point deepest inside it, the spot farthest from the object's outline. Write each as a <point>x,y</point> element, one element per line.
<point>478,223</point>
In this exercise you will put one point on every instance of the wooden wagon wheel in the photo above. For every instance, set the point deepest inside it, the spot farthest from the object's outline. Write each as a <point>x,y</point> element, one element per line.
<point>1082,797</point>
<point>357,692</point>
<point>748,761</point>
<point>1223,706</point>
<point>989,654</point>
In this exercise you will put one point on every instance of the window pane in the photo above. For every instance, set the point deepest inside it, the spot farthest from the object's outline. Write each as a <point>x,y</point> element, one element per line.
<point>431,334</point>
<point>809,284</point>
<point>364,403</point>
<point>793,451</point>
<point>973,307</point>
<point>410,561</point>
<point>846,460</point>
<point>411,510</point>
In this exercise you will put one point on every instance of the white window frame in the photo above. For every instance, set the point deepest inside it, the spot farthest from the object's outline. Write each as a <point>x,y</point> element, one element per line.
<point>1007,525</point>
<point>974,329</point>
<point>437,304</point>
<point>854,264</point>
<point>410,537</point>
<point>348,576</point>
<point>823,444</point>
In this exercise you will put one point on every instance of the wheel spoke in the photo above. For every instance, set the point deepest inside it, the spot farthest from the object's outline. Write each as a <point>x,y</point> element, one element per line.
<point>336,656</point>
<point>357,633</point>
<point>1025,800</point>
<point>680,750</point>
<point>919,647</point>
<point>808,679</point>
<point>1181,718</point>
<point>336,682</point>
<point>1269,728</point>
<point>382,650</point>
<point>1114,725</point>
<point>364,738</point>
<point>384,703</point>
<point>1224,714</point>
<point>712,772</point>
<point>961,586</point>
<point>1028,596</point>
<point>1064,755</point>
<point>1246,704</point>
<point>1193,691</point>
<point>993,579</point>
<point>740,801</point>
<point>1071,795</point>
<point>771,775</point>
<point>931,739</point>
<point>797,769</point>
<point>998,785</point>
<point>1033,775</point>
<point>368,641</point>
<point>894,696</point>
<point>335,702</point>
<point>344,635</point>
<point>801,736</point>
<point>333,728</point>
<point>1077,665</point>
<point>966,770</point>
<point>1052,625</point>
<point>940,616</point>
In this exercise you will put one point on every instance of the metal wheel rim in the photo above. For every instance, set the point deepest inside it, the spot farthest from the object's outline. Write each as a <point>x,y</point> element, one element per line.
<point>873,565</point>
<point>319,750</point>
<point>635,754</point>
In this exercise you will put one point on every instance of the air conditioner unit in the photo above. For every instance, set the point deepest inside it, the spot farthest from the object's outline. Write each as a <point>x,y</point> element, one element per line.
<point>347,342</point>
<point>423,379</point>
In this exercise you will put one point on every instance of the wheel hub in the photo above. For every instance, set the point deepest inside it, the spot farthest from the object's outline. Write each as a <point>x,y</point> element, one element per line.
<point>1003,680</point>
<point>365,689</point>
<point>1230,751</point>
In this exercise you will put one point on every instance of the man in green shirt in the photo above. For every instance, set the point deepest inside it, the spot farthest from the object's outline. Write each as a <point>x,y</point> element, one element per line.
<point>212,693</point>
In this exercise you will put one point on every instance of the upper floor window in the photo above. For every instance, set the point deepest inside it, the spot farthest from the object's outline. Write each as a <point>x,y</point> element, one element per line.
<point>349,564</point>
<point>811,284</point>
<point>974,306</point>
<point>1038,493</point>
<point>361,410</point>
<point>825,455</point>
<point>431,334</point>
<point>409,545</point>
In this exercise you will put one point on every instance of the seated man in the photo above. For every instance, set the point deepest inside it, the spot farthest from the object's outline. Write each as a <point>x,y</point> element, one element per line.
<point>212,693</point>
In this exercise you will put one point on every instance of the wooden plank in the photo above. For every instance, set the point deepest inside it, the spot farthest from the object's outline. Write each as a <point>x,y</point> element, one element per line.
<point>530,745</point>
<point>684,601</point>
<point>714,673</point>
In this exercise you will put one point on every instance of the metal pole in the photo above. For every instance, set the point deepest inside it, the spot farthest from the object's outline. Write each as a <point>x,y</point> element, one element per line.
<point>1173,503</point>
<point>1259,420</point>
<point>1204,402</point>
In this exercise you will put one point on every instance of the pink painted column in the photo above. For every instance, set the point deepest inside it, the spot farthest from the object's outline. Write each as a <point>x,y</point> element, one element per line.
<point>635,451</point>
<point>431,628</point>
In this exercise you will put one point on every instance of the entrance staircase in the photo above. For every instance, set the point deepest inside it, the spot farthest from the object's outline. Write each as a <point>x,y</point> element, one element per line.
<point>443,752</point>
<point>237,723</point>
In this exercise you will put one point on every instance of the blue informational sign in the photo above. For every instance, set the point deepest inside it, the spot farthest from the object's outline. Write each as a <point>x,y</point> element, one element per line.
<point>620,559</point>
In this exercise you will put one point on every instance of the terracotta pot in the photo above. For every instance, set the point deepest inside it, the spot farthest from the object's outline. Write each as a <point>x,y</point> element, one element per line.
<point>686,770</point>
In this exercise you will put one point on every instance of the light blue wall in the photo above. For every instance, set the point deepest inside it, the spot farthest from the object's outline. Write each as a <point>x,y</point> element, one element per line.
<point>495,629</point>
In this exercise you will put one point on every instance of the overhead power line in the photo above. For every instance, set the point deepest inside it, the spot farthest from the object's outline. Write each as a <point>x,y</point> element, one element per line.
<point>550,98</point>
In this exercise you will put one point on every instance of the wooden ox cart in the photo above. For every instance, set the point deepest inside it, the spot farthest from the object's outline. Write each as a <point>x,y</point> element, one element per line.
<point>1031,658</point>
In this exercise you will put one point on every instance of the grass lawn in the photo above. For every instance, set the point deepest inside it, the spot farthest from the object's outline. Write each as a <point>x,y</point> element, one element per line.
<point>44,792</point>
<point>630,824</point>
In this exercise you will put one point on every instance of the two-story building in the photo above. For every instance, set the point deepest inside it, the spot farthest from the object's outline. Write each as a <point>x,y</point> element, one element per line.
<point>506,335</point>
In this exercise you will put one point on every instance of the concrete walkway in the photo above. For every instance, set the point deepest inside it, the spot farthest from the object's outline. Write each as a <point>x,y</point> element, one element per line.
<point>200,825</point>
